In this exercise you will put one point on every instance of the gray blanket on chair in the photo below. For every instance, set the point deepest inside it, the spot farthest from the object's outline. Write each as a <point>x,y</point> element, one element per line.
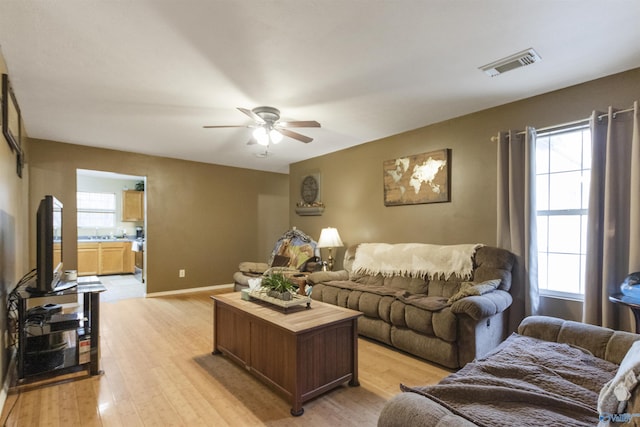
<point>525,382</point>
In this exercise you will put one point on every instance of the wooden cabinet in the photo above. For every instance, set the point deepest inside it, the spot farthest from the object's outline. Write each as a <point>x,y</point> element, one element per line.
<point>132,205</point>
<point>128,259</point>
<point>88,259</point>
<point>97,258</point>
<point>111,258</point>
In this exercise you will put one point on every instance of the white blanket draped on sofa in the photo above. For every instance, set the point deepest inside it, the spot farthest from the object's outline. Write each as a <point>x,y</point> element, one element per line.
<point>415,260</point>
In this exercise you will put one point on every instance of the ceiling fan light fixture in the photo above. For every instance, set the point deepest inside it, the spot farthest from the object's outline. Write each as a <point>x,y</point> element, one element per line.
<point>275,136</point>
<point>261,136</point>
<point>267,126</point>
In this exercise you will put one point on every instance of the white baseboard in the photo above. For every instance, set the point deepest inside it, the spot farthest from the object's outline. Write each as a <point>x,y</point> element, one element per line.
<point>189,291</point>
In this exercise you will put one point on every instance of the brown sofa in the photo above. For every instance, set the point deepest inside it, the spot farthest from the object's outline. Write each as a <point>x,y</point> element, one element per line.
<point>553,372</point>
<point>414,314</point>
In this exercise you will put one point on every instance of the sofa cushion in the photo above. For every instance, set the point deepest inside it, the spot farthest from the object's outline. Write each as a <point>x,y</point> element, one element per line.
<point>444,288</point>
<point>418,319</point>
<point>423,302</point>
<point>492,263</point>
<point>368,304</point>
<point>415,285</point>
<point>471,288</point>
<point>445,325</point>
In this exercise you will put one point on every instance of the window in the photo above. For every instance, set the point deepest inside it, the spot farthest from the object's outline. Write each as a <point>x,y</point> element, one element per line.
<point>563,169</point>
<point>96,210</point>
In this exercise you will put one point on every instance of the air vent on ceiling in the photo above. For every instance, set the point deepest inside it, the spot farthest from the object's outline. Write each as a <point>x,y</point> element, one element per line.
<point>517,60</point>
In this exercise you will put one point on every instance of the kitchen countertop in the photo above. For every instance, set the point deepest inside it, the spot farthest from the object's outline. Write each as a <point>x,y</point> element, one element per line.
<point>86,239</point>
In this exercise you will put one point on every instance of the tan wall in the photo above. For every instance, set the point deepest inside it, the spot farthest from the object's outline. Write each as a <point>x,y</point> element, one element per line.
<point>200,217</point>
<point>352,186</point>
<point>14,262</point>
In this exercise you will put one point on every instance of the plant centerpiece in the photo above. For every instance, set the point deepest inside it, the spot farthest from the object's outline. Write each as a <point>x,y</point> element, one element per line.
<point>277,286</point>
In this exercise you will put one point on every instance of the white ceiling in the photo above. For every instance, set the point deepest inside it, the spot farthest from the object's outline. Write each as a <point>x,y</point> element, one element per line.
<point>145,76</point>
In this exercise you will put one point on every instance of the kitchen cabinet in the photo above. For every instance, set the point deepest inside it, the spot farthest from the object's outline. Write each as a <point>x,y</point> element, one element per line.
<point>132,205</point>
<point>128,259</point>
<point>99,258</point>
<point>111,258</point>
<point>88,259</point>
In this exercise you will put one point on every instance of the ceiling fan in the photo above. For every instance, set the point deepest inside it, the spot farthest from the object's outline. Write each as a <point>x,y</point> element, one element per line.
<point>268,127</point>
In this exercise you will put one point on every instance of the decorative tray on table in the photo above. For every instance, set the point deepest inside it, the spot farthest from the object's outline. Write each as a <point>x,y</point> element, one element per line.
<point>296,299</point>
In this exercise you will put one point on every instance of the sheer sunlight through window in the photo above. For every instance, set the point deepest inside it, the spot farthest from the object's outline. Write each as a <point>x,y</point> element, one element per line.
<point>96,210</point>
<point>563,169</point>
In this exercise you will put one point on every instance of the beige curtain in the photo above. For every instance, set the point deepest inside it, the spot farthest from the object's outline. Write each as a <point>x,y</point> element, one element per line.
<point>517,229</point>
<point>613,230</point>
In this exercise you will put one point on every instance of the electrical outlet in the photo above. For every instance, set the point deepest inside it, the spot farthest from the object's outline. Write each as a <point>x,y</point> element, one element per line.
<point>181,272</point>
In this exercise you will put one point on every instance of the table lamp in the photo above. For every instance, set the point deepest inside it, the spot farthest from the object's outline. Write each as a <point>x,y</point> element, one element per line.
<point>329,238</point>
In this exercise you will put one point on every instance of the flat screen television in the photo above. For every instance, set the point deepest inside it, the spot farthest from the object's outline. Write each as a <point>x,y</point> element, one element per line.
<point>49,248</point>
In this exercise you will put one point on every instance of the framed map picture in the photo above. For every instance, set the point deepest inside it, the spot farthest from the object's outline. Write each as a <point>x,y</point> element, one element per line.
<point>10,116</point>
<point>421,178</point>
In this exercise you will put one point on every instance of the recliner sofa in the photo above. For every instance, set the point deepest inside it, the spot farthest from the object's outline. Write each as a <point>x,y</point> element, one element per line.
<point>294,252</point>
<point>446,319</point>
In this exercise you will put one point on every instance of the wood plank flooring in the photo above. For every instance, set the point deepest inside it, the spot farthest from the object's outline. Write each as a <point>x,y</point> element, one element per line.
<point>159,371</point>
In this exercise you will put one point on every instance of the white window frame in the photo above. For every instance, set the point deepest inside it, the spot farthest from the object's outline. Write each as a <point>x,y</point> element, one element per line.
<point>101,210</point>
<point>582,212</point>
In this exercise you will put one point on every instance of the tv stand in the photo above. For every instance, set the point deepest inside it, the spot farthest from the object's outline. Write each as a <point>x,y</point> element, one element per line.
<point>65,343</point>
<point>60,286</point>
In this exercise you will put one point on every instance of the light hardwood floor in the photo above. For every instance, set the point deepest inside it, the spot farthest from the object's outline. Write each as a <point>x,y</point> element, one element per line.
<point>159,371</point>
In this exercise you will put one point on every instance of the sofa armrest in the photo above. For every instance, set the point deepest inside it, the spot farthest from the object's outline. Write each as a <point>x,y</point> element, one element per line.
<point>481,306</point>
<point>413,410</point>
<point>327,276</point>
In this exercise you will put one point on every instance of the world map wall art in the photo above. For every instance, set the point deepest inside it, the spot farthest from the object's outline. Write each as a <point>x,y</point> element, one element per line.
<point>421,178</point>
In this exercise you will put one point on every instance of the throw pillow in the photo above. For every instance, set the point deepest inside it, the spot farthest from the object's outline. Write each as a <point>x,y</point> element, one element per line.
<point>615,393</point>
<point>280,261</point>
<point>471,288</point>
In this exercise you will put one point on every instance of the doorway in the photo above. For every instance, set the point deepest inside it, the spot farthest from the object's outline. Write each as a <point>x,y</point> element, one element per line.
<point>111,225</point>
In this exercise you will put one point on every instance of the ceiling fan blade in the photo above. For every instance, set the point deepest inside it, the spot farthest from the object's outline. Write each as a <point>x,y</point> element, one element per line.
<point>252,141</point>
<point>252,115</point>
<point>295,135</point>
<point>227,126</point>
<point>300,124</point>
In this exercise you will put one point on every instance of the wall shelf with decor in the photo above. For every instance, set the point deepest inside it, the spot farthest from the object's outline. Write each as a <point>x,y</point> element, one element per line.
<point>309,210</point>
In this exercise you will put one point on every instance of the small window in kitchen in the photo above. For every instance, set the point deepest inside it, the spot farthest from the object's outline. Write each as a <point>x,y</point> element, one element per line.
<point>96,210</point>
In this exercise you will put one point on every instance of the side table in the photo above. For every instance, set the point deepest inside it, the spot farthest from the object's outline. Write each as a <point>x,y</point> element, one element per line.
<point>631,302</point>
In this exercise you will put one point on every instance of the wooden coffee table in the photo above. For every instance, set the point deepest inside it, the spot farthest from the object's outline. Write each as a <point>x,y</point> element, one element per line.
<point>301,354</point>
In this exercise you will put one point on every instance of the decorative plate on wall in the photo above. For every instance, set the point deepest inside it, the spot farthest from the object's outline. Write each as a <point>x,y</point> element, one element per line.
<point>310,195</point>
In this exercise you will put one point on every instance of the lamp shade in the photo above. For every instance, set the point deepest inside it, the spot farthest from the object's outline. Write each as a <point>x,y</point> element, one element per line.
<point>329,238</point>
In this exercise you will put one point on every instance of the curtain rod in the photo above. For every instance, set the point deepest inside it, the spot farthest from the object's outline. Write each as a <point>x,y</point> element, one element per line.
<point>569,124</point>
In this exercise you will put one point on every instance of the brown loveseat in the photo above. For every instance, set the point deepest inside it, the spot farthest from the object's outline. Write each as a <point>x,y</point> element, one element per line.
<point>412,310</point>
<point>553,372</point>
